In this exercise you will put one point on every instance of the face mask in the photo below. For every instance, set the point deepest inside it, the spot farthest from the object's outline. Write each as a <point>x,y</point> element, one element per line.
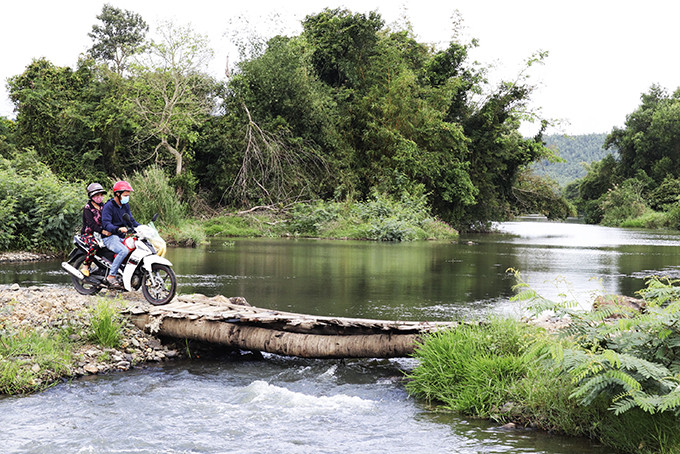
<point>125,199</point>
<point>98,199</point>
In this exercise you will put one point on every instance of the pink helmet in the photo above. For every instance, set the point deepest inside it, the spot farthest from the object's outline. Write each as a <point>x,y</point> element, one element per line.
<point>121,186</point>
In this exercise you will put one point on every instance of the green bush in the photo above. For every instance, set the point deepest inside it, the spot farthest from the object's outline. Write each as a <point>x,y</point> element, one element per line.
<point>309,218</point>
<point>38,210</point>
<point>623,202</point>
<point>470,368</point>
<point>153,194</point>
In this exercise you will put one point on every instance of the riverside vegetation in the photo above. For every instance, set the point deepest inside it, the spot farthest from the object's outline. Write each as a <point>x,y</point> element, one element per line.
<point>612,374</point>
<point>48,335</point>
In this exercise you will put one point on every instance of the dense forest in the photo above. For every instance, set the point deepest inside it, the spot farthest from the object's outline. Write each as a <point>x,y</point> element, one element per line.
<point>346,110</point>
<point>575,153</point>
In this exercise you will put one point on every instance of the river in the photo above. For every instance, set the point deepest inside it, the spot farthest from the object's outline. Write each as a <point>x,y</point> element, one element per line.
<point>290,405</point>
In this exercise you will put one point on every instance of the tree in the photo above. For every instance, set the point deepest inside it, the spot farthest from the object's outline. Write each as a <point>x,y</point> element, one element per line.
<point>120,35</point>
<point>172,94</point>
<point>52,105</point>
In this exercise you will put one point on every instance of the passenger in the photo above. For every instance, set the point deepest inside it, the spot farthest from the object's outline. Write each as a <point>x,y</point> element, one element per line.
<point>112,220</point>
<point>92,224</point>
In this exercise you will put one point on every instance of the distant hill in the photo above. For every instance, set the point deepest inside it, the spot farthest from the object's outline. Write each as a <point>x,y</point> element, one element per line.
<point>575,150</point>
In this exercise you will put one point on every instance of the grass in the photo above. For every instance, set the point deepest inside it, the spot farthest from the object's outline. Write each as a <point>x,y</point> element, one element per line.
<point>34,358</point>
<point>31,360</point>
<point>381,219</point>
<point>649,220</point>
<point>106,324</point>
<point>491,370</point>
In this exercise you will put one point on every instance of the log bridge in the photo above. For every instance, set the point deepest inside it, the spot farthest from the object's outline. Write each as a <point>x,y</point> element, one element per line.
<point>234,323</point>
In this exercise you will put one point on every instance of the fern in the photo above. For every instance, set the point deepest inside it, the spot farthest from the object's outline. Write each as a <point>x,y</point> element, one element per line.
<point>633,360</point>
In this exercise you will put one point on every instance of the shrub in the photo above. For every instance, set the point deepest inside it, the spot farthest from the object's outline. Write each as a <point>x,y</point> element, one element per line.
<point>309,218</point>
<point>153,194</point>
<point>38,211</point>
<point>470,368</point>
<point>623,202</point>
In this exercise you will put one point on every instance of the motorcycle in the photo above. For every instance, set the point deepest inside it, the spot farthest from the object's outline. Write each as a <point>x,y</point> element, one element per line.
<point>145,265</point>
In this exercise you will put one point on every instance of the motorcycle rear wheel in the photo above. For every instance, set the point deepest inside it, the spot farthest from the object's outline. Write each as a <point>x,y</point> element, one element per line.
<point>82,286</point>
<point>160,286</point>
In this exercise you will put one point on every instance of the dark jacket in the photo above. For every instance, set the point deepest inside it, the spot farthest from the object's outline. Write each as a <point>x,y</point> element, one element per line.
<point>92,219</point>
<point>112,217</point>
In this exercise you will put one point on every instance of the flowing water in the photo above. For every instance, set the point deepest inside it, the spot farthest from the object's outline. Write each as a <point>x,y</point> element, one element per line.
<point>291,405</point>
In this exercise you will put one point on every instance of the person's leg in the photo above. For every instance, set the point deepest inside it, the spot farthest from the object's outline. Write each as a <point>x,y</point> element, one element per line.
<point>92,248</point>
<point>116,245</point>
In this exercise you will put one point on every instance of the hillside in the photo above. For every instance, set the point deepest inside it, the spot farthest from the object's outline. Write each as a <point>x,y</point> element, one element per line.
<point>575,150</point>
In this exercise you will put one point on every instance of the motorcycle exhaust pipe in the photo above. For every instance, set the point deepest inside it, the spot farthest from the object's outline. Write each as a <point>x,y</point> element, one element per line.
<point>72,270</point>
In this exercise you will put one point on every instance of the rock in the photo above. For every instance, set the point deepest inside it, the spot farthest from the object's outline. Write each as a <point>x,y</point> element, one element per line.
<point>35,368</point>
<point>507,407</point>
<point>622,305</point>
<point>91,368</point>
<point>509,426</point>
<point>14,287</point>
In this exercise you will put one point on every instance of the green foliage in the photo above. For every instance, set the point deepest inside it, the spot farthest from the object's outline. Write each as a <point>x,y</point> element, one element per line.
<point>40,211</point>
<point>665,195</point>
<point>540,195</point>
<point>106,324</point>
<point>120,35</point>
<point>309,218</point>
<point>30,360</point>
<point>574,152</point>
<point>470,368</point>
<point>632,361</point>
<point>153,194</point>
<point>247,226</point>
<point>343,108</point>
<point>623,202</point>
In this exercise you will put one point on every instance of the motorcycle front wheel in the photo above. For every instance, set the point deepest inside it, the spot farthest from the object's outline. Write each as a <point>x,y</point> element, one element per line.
<point>160,286</point>
<point>82,286</point>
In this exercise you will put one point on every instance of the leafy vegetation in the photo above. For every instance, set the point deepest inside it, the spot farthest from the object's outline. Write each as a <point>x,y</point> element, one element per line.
<point>643,171</point>
<point>38,211</point>
<point>346,109</point>
<point>382,218</point>
<point>575,152</point>
<point>106,324</point>
<point>611,374</point>
<point>30,360</point>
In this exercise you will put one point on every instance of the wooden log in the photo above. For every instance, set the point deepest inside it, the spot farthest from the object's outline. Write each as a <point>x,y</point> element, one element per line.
<point>256,338</point>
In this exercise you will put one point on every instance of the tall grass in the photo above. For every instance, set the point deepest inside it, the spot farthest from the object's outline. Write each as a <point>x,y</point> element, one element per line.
<point>471,368</point>
<point>106,324</point>
<point>153,194</point>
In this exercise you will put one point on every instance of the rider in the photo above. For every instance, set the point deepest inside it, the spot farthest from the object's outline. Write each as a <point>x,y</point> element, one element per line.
<point>92,223</point>
<point>112,220</point>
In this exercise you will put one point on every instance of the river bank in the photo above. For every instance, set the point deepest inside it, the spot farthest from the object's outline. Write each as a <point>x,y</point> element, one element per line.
<point>62,313</point>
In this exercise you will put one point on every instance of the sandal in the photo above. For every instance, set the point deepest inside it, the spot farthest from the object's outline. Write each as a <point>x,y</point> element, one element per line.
<point>113,282</point>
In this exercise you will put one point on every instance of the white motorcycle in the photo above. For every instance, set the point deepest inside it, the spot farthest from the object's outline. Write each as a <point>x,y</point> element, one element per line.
<point>145,266</point>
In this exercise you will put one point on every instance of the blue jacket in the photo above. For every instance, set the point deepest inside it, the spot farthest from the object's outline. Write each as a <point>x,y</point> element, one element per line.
<point>112,217</point>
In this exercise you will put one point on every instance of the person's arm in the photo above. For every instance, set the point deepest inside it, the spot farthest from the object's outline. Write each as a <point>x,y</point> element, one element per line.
<point>107,219</point>
<point>133,222</point>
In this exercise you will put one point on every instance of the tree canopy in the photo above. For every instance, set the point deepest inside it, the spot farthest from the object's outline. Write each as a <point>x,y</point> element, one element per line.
<point>346,109</point>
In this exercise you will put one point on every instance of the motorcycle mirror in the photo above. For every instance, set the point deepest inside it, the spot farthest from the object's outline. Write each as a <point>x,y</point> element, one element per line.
<point>126,218</point>
<point>153,219</point>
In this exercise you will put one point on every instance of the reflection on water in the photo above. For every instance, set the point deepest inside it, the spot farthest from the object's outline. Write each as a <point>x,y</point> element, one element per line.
<point>414,281</point>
